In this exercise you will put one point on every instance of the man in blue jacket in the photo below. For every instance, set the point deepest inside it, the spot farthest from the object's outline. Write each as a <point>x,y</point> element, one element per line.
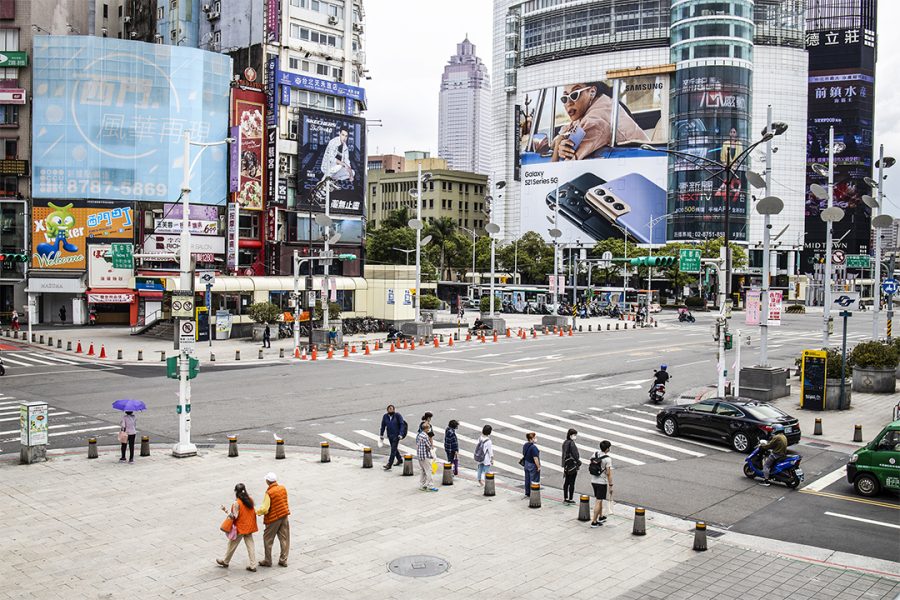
<point>396,427</point>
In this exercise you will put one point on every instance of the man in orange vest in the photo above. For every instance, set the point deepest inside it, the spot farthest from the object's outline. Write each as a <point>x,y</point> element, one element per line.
<point>275,509</point>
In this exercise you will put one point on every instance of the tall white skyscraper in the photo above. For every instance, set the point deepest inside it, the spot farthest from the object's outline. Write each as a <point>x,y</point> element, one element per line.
<point>464,136</point>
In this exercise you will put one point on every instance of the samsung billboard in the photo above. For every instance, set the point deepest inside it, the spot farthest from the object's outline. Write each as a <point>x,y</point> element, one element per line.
<point>110,116</point>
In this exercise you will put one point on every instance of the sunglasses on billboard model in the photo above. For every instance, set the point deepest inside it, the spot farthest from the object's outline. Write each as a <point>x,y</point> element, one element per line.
<point>573,95</point>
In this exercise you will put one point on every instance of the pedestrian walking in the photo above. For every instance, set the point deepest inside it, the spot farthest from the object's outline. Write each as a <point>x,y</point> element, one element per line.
<point>425,455</point>
<point>274,511</point>
<point>451,445</point>
<point>601,480</point>
<point>267,337</point>
<point>15,320</point>
<point>393,424</point>
<point>62,313</point>
<point>484,454</point>
<point>571,462</point>
<point>426,418</point>
<point>531,461</point>
<point>127,434</point>
<point>244,516</point>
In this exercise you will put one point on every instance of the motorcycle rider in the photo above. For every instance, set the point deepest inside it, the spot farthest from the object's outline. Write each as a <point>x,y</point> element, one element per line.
<point>660,377</point>
<point>777,448</point>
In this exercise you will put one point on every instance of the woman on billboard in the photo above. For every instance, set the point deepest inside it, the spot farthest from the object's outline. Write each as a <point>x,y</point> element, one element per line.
<point>590,110</point>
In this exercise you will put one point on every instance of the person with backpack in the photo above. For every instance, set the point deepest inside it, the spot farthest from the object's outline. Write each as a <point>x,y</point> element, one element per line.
<point>484,453</point>
<point>571,462</point>
<point>600,469</point>
<point>531,461</point>
<point>451,445</point>
<point>392,422</point>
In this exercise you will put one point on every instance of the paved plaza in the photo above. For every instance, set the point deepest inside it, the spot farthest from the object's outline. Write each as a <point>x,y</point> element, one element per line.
<point>79,528</point>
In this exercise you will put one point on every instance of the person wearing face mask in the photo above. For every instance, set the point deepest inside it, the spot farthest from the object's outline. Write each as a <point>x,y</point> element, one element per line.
<point>590,110</point>
<point>571,462</point>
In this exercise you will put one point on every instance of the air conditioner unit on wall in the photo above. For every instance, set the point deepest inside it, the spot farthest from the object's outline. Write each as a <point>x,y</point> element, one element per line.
<point>213,15</point>
<point>332,20</point>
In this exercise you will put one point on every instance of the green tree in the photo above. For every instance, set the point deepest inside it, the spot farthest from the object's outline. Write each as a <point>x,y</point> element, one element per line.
<point>531,255</point>
<point>381,242</point>
<point>441,232</point>
<point>397,218</point>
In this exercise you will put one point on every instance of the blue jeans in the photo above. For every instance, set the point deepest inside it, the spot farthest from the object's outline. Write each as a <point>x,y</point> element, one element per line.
<point>482,469</point>
<point>532,475</point>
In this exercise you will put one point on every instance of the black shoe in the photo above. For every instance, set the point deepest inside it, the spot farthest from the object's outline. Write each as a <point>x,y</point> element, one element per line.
<point>765,483</point>
<point>601,519</point>
<point>386,467</point>
<point>595,524</point>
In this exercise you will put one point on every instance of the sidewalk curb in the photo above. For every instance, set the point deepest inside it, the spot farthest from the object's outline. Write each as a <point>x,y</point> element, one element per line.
<point>811,554</point>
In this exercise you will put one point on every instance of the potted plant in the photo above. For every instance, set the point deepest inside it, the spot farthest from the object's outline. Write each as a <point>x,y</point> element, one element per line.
<point>428,305</point>
<point>262,313</point>
<point>485,305</point>
<point>833,380</point>
<point>875,364</point>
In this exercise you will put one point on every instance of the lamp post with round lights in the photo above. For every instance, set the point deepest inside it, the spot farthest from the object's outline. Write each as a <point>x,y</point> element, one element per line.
<point>880,221</point>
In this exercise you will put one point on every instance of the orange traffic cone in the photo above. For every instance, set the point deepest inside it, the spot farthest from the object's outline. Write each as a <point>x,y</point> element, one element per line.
<point>412,344</point>
<point>330,352</point>
<point>534,333</point>
<point>78,348</point>
<point>296,351</point>
<point>436,345</point>
<point>91,350</point>
<point>102,351</point>
<point>546,331</point>
<point>392,347</point>
<point>314,354</point>
<point>570,332</point>
<point>482,338</point>
<point>353,349</point>
<point>366,352</point>
<point>495,335</point>
<point>346,351</point>
<point>405,345</point>
<point>561,332</point>
<point>508,333</point>
<point>468,338</point>
<point>450,343</point>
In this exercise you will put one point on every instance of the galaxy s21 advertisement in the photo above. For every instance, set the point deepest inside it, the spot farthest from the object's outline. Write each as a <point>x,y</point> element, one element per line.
<point>580,147</point>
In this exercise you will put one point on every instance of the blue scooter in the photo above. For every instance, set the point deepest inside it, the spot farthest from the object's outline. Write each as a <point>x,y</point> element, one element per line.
<point>786,471</point>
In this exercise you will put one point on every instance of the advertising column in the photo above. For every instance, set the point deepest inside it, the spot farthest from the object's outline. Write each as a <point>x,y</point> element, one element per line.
<point>248,117</point>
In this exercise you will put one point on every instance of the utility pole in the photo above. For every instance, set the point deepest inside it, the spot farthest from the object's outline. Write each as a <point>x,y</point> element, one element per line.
<point>890,300</point>
<point>326,285</point>
<point>764,292</point>
<point>829,233</point>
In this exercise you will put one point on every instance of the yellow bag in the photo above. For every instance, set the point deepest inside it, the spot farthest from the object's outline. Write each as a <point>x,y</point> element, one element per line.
<point>433,467</point>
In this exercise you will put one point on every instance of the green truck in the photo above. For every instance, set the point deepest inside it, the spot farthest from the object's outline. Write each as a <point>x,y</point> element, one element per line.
<point>876,466</point>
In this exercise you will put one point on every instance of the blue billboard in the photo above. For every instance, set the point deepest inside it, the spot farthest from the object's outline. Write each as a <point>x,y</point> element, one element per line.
<point>109,118</point>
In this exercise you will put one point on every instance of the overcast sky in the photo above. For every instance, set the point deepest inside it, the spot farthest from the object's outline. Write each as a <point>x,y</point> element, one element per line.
<point>406,62</point>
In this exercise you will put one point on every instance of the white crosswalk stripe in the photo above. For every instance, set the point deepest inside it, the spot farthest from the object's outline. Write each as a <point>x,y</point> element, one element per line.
<point>339,440</point>
<point>34,359</point>
<point>62,422</point>
<point>52,414</point>
<point>57,360</point>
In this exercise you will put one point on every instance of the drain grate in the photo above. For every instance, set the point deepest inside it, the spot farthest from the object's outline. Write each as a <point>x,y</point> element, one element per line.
<point>418,565</point>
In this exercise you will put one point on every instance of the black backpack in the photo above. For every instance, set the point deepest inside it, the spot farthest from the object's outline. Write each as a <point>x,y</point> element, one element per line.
<point>595,467</point>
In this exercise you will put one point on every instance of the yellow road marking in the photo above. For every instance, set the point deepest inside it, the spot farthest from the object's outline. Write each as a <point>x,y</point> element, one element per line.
<point>852,499</point>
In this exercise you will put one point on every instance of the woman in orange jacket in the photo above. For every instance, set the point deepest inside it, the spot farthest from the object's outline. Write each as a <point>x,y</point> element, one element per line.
<point>244,516</point>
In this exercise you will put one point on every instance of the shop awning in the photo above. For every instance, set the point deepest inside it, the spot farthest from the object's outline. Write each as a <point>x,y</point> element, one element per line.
<point>110,296</point>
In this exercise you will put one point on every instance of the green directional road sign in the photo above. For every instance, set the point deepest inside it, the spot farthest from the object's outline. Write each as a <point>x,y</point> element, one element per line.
<point>859,261</point>
<point>122,256</point>
<point>689,261</point>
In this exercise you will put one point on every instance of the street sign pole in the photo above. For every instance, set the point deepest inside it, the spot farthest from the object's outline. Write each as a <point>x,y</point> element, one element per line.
<point>841,405</point>
<point>209,312</point>
<point>890,300</point>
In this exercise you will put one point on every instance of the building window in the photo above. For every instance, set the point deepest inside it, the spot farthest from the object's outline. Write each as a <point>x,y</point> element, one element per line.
<point>120,11</point>
<point>174,5</point>
<point>106,11</point>
<point>9,186</point>
<point>337,73</point>
<point>9,114</point>
<point>322,70</point>
<point>10,149</point>
<point>248,226</point>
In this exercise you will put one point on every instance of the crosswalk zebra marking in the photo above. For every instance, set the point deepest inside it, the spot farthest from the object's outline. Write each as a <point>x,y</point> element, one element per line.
<point>372,436</point>
<point>627,436</point>
<point>509,438</point>
<point>34,358</point>
<point>54,359</point>
<point>51,414</point>
<point>7,359</point>
<point>651,432</point>
<point>590,437</point>
<point>339,440</point>
<point>515,454</point>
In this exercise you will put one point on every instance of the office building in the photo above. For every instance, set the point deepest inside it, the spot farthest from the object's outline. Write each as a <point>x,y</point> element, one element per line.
<point>464,124</point>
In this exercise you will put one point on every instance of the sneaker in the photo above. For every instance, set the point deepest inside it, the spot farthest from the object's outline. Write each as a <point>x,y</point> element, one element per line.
<point>251,569</point>
<point>264,563</point>
<point>595,524</point>
<point>601,519</point>
<point>131,462</point>
<point>765,483</point>
<point>222,563</point>
<point>424,488</point>
<point>121,460</point>
<point>282,563</point>
<point>434,489</point>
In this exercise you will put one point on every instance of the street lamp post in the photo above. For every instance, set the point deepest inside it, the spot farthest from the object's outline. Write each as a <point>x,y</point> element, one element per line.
<point>493,229</point>
<point>418,226</point>
<point>405,252</point>
<point>879,222</point>
<point>555,233</point>
<point>184,447</point>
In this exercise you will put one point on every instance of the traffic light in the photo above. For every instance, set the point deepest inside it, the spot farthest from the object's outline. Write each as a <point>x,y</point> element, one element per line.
<point>729,340</point>
<point>193,367</point>
<point>653,261</point>
<point>172,367</point>
<point>13,258</point>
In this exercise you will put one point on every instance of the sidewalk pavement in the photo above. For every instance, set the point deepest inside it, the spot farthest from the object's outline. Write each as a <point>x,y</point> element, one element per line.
<point>113,339</point>
<point>78,528</point>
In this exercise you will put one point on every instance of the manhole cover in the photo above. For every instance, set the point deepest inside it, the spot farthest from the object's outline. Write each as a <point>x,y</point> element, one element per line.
<point>418,565</point>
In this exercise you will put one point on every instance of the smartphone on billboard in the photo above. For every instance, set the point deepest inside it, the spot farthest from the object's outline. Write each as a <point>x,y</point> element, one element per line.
<point>632,201</point>
<point>573,205</point>
<point>576,136</point>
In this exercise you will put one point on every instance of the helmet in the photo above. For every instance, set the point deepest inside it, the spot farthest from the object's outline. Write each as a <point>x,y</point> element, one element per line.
<point>663,367</point>
<point>777,428</point>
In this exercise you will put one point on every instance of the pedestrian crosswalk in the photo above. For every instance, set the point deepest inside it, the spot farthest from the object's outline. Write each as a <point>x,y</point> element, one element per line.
<point>631,430</point>
<point>66,428</point>
<point>35,359</point>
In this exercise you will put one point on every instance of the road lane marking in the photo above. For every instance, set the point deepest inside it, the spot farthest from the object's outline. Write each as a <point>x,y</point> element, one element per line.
<point>366,361</point>
<point>627,436</point>
<point>6,358</point>
<point>37,358</point>
<point>823,482</point>
<point>494,463</point>
<point>509,438</point>
<point>861,520</point>
<point>563,378</point>
<point>513,453</point>
<point>640,412</point>
<point>89,430</point>
<point>655,432</point>
<point>629,417</point>
<point>519,371</point>
<point>852,499</point>
<point>696,362</point>
<point>586,436</point>
<point>53,358</point>
<point>339,440</point>
<point>52,414</point>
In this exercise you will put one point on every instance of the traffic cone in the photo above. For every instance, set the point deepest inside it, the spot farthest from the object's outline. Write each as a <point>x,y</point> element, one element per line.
<point>508,333</point>
<point>561,332</point>
<point>392,347</point>
<point>570,332</point>
<point>366,353</point>
<point>346,351</point>
<point>450,342</point>
<point>436,345</point>
<point>495,335</point>
<point>405,345</point>
<point>412,344</point>
<point>482,338</point>
<point>330,354</point>
<point>102,351</point>
<point>468,338</point>
<point>534,333</point>
<point>297,352</point>
<point>91,350</point>
<point>314,354</point>
<point>546,331</point>
<point>78,348</point>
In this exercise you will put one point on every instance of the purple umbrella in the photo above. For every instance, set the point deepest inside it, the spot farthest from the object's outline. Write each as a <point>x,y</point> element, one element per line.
<point>129,405</point>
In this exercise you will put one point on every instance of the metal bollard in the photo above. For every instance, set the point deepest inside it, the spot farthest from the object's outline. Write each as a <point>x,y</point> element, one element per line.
<point>857,433</point>
<point>68,346</point>
<point>212,357</point>
<point>281,353</point>
<point>279,449</point>
<point>140,354</point>
<point>232,446</point>
<point>326,453</point>
<point>617,326</point>
<point>584,509</point>
<point>92,448</point>
<point>589,328</point>
<point>237,355</point>
<point>579,329</point>
<point>162,356</point>
<point>58,344</point>
<point>607,326</point>
<point>367,458</point>
<point>145,445</point>
<point>41,338</point>
<point>407,465</point>
<point>700,537</point>
<point>119,354</point>
<point>818,428</point>
<point>534,500</point>
<point>260,353</point>
<point>448,474</point>
<point>50,341</point>
<point>640,522</point>
<point>489,487</point>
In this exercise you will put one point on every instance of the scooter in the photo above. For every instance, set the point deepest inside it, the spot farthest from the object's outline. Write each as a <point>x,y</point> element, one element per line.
<point>658,393</point>
<point>2,368</point>
<point>686,317</point>
<point>786,471</point>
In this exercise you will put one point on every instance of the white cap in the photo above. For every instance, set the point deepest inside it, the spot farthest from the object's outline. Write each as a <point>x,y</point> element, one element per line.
<point>270,477</point>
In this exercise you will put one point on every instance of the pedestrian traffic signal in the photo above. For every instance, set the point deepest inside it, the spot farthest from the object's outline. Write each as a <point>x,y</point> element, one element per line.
<point>653,261</point>
<point>729,340</point>
<point>172,371</point>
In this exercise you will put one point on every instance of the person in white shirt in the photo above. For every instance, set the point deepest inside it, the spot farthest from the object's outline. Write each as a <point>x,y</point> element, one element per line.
<point>484,453</point>
<point>336,160</point>
<point>601,481</point>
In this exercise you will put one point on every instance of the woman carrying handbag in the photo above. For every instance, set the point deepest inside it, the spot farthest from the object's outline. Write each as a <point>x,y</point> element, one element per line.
<point>244,525</point>
<point>127,435</point>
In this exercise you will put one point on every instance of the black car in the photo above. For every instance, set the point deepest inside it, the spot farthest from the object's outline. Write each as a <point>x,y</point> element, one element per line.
<point>740,422</point>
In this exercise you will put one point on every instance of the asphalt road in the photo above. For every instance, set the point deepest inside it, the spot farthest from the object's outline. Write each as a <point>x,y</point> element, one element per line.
<point>594,382</point>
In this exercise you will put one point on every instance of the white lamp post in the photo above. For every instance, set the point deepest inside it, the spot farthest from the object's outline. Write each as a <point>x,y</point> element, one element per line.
<point>555,234</point>
<point>418,225</point>
<point>184,447</point>
<point>878,222</point>
<point>493,229</point>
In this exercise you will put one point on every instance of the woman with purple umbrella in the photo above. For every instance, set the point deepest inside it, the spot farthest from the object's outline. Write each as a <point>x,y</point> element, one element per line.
<point>129,425</point>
